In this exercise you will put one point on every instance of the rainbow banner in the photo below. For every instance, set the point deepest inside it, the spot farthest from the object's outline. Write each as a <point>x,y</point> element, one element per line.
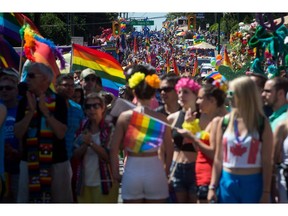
<point>143,133</point>
<point>105,66</point>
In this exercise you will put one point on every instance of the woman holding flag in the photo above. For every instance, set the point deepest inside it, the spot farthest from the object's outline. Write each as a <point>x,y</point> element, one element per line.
<point>147,141</point>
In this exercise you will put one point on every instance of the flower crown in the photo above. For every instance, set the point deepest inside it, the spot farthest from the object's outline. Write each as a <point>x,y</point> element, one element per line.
<point>221,84</point>
<point>152,80</point>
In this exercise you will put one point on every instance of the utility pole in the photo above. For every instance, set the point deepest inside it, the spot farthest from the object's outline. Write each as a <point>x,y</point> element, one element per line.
<point>218,21</point>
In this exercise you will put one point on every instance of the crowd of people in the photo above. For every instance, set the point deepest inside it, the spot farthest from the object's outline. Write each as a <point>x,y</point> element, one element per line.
<point>203,140</point>
<point>182,137</point>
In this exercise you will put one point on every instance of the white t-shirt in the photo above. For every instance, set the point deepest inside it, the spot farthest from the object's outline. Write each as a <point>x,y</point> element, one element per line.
<point>91,164</point>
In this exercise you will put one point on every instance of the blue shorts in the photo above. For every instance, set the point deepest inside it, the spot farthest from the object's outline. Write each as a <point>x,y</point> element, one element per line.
<point>240,188</point>
<point>184,177</point>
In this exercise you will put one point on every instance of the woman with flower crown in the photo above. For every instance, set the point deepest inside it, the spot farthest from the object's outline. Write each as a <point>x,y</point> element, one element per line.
<point>210,100</point>
<point>182,178</point>
<point>146,140</point>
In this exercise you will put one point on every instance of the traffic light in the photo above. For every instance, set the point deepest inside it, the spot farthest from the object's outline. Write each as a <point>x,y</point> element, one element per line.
<point>116,28</point>
<point>191,22</point>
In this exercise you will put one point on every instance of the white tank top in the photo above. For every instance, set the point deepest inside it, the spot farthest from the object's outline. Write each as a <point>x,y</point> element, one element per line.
<point>243,154</point>
<point>285,151</point>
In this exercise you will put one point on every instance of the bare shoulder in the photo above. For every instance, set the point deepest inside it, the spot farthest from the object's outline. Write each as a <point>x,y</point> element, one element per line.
<point>282,127</point>
<point>173,116</point>
<point>125,116</point>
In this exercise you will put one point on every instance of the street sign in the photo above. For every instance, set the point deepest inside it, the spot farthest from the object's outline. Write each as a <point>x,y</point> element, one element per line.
<point>200,16</point>
<point>142,22</point>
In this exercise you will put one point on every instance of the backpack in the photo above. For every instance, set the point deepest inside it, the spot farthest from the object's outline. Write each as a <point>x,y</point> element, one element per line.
<point>261,125</point>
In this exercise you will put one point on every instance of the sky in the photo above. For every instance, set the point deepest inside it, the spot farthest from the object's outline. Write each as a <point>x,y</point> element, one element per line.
<point>157,22</point>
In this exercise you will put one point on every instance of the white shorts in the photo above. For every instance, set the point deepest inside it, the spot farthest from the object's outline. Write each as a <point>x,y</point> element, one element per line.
<point>144,178</point>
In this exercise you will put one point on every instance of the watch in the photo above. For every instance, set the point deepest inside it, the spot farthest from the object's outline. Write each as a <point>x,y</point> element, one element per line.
<point>212,187</point>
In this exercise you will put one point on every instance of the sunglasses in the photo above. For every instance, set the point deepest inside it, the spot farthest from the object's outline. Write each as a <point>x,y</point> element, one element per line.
<point>92,79</point>
<point>166,89</point>
<point>230,93</point>
<point>7,88</point>
<point>32,75</point>
<point>66,85</point>
<point>95,106</point>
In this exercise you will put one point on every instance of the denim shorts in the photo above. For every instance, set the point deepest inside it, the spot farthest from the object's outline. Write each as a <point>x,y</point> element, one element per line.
<point>184,177</point>
<point>202,192</point>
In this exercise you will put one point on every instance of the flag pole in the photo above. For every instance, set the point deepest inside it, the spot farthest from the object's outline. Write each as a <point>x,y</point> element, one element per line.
<point>21,53</point>
<point>70,68</point>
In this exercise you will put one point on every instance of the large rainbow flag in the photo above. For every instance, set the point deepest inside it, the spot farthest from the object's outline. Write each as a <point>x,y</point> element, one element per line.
<point>11,23</point>
<point>105,66</point>
<point>9,26</point>
<point>143,133</point>
<point>8,56</point>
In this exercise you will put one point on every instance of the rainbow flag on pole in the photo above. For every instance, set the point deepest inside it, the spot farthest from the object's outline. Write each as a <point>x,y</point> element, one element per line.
<point>105,66</point>
<point>143,133</point>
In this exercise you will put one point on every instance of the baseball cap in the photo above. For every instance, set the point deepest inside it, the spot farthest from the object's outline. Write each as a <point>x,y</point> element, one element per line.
<point>86,72</point>
<point>10,72</point>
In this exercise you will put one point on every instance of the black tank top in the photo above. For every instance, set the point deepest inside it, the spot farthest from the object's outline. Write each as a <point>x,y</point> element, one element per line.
<point>178,138</point>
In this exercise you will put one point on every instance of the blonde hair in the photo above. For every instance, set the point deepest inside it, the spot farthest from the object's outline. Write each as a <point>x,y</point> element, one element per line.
<point>247,102</point>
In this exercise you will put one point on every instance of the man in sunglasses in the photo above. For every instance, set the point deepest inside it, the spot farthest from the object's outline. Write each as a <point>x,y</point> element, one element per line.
<point>168,94</point>
<point>9,79</point>
<point>41,125</point>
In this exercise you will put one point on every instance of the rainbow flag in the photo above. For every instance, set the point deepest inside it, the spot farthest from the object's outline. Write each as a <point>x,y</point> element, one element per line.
<point>226,60</point>
<point>11,23</point>
<point>195,67</point>
<point>214,75</point>
<point>105,66</point>
<point>143,133</point>
<point>8,56</point>
<point>176,70</point>
<point>135,48</point>
<point>9,26</point>
<point>42,50</point>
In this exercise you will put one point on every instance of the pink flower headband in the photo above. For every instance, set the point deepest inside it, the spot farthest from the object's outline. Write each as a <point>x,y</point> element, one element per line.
<point>188,83</point>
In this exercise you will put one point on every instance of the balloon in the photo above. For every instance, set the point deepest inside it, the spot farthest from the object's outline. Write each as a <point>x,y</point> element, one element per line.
<point>212,59</point>
<point>218,62</point>
<point>213,63</point>
<point>219,57</point>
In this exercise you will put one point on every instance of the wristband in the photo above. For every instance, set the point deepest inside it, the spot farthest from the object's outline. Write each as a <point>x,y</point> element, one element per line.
<point>212,187</point>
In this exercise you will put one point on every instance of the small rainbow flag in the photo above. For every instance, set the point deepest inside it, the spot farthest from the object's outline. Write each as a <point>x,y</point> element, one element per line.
<point>105,66</point>
<point>214,75</point>
<point>143,133</point>
<point>226,60</point>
